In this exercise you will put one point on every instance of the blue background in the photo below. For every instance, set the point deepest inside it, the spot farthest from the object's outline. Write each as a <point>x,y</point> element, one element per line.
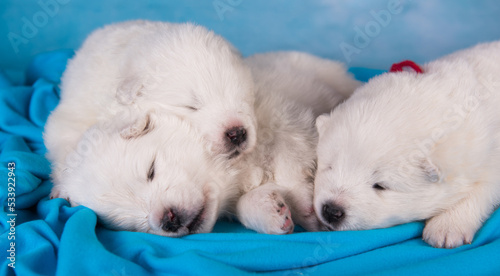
<point>422,31</point>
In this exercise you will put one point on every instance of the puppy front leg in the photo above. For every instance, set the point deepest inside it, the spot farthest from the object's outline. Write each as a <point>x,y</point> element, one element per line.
<point>264,210</point>
<point>458,225</point>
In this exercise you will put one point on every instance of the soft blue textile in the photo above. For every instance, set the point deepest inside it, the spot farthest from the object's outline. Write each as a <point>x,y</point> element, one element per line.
<point>52,238</point>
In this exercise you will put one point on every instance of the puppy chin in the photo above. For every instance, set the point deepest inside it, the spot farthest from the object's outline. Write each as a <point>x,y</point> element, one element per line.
<point>155,228</point>
<point>345,226</point>
<point>235,153</point>
<point>180,233</point>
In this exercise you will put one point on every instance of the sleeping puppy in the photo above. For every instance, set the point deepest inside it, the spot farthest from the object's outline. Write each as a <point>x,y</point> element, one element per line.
<point>277,176</point>
<point>410,146</point>
<point>149,173</point>
<point>181,69</point>
<point>125,74</point>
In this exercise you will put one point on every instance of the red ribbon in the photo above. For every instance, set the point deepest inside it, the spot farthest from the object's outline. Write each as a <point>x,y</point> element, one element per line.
<point>398,67</point>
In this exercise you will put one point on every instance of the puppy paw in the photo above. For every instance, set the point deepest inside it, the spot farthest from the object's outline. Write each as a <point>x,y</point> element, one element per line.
<point>265,211</point>
<point>443,232</point>
<point>54,193</point>
<point>281,221</point>
<point>58,193</point>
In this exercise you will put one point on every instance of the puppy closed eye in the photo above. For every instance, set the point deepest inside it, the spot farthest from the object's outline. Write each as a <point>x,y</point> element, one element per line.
<point>151,172</point>
<point>378,186</point>
<point>194,104</point>
<point>327,168</point>
<point>192,108</point>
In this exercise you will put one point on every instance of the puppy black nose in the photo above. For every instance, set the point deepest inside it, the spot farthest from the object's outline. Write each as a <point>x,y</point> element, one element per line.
<point>170,221</point>
<point>236,135</point>
<point>332,213</point>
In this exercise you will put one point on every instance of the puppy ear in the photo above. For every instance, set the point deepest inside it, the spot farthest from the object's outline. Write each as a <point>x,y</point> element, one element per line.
<point>141,126</point>
<point>430,171</point>
<point>321,121</point>
<point>129,90</point>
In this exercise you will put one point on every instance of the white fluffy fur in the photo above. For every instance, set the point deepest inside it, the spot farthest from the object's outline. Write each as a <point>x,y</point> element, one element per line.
<point>180,68</point>
<point>143,95</point>
<point>430,141</point>
<point>310,81</point>
<point>109,174</point>
<point>122,76</point>
<point>277,176</point>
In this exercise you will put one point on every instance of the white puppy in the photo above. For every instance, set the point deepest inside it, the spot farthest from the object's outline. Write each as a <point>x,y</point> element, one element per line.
<point>151,174</point>
<point>277,176</point>
<point>180,68</point>
<point>409,146</point>
<point>126,73</point>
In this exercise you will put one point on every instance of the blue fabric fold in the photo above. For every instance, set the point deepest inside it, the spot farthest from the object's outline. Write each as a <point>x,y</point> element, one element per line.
<point>51,238</point>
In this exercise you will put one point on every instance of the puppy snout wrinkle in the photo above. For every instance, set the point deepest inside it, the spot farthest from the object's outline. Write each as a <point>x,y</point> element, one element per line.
<point>332,213</point>
<point>170,221</point>
<point>236,135</point>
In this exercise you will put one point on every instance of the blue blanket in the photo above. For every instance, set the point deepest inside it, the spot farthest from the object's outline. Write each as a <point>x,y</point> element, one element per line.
<point>46,237</point>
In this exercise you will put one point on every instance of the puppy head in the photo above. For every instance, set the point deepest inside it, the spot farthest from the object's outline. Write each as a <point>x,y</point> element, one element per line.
<point>198,76</point>
<point>375,167</point>
<point>151,174</point>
